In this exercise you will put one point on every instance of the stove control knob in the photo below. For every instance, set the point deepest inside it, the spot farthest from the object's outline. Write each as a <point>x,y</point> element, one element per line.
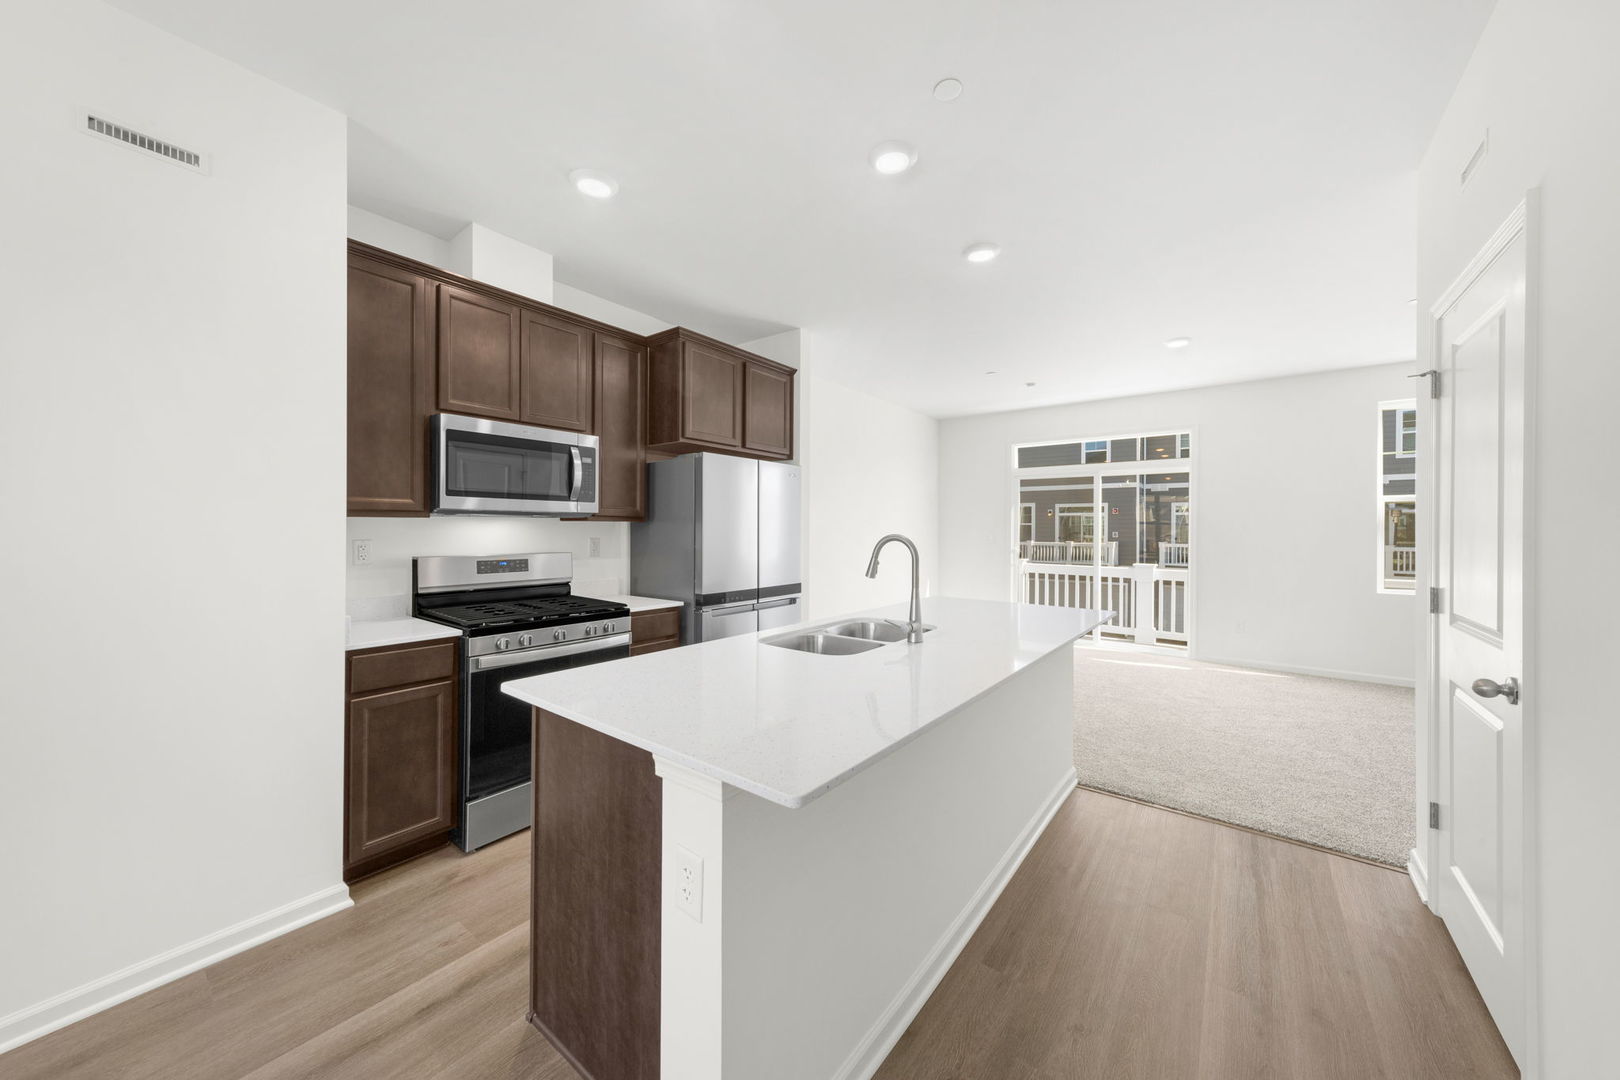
<point>589,631</point>
<point>502,644</point>
<point>559,635</point>
<point>526,640</point>
<point>607,628</point>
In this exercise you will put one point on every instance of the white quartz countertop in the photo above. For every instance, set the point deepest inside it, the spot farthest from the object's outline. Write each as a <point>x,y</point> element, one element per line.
<point>371,633</point>
<point>788,726</point>
<point>638,604</point>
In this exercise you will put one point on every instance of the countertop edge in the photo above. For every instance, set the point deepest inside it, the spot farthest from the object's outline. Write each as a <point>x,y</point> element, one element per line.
<point>781,798</point>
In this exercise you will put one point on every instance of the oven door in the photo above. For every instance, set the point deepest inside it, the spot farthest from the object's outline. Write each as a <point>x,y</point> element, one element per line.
<point>497,734</point>
<point>489,467</point>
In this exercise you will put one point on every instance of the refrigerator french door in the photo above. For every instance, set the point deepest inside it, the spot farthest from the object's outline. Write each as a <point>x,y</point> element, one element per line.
<point>721,535</point>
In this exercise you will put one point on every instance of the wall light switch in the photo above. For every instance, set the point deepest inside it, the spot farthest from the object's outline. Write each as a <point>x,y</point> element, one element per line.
<point>359,551</point>
<point>596,547</point>
<point>688,882</point>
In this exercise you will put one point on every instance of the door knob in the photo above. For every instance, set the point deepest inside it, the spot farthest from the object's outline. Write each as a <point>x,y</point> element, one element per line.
<point>1508,688</point>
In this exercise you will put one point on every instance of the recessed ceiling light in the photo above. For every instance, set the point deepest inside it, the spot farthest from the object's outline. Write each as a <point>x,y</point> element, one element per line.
<point>989,373</point>
<point>891,158</point>
<point>1413,301</point>
<point>1178,343</point>
<point>948,89</point>
<point>593,184</point>
<point>980,253</point>
<point>1029,384</point>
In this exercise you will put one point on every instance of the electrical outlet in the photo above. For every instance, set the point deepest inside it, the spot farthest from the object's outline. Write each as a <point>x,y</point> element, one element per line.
<point>359,551</point>
<point>596,547</point>
<point>689,883</point>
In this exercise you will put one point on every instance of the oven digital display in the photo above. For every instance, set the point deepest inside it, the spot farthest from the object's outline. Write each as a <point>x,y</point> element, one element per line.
<point>503,566</point>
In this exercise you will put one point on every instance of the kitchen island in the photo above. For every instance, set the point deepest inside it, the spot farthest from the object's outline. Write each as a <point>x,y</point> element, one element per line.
<point>755,861</point>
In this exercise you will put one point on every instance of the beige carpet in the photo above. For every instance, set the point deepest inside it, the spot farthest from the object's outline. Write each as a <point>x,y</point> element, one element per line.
<point>1326,761</point>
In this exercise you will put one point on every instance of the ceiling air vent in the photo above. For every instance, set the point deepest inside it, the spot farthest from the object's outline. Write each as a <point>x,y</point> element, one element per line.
<point>101,127</point>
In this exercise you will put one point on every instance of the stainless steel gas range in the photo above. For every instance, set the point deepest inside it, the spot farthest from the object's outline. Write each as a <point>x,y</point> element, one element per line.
<point>518,618</point>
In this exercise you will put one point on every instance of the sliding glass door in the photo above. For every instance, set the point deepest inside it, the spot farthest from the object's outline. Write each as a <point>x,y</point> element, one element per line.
<point>1093,534</point>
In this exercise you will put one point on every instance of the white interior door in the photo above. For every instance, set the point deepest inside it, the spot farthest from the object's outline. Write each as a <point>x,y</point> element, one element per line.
<point>1479,751</point>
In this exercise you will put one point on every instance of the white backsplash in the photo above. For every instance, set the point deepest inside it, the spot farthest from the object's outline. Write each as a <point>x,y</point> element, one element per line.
<point>379,587</point>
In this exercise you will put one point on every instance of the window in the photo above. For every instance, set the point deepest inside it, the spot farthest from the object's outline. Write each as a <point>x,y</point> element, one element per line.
<point>1397,496</point>
<point>1076,523</point>
<point>1104,451</point>
<point>1026,523</point>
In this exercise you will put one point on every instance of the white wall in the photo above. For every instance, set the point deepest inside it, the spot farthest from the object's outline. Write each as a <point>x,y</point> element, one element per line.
<point>1544,82</point>
<point>171,416</point>
<point>1284,514</point>
<point>595,307</point>
<point>870,467</point>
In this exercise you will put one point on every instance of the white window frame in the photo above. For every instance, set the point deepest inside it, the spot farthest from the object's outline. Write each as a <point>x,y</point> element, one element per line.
<point>1401,406</point>
<point>1015,476</point>
<point>1077,510</point>
<point>1400,432</point>
<point>1022,509</point>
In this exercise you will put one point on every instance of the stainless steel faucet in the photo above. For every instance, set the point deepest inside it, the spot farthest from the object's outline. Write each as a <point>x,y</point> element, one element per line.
<point>914,625</point>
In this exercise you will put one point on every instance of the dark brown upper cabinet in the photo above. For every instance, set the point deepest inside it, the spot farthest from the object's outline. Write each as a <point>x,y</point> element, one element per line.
<point>478,354</point>
<point>767,410</point>
<point>621,424</point>
<point>391,388</point>
<point>700,393</point>
<point>556,373</point>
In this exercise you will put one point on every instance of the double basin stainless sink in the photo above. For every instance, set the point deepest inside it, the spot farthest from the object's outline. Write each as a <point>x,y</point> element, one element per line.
<point>843,638</point>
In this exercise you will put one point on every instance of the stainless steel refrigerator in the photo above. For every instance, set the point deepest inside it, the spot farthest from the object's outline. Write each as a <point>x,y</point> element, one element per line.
<point>722,537</point>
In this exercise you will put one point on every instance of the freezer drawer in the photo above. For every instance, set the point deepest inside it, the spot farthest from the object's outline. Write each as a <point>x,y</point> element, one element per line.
<point>727,621</point>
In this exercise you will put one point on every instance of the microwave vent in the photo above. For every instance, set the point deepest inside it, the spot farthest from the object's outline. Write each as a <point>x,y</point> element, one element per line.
<point>103,128</point>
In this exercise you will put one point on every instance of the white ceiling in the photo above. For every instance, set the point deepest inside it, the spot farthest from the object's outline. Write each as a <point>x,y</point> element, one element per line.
<point>1239,172</point>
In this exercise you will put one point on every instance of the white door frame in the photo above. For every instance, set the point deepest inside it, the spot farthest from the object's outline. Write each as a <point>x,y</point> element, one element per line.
<point>1524,219</point>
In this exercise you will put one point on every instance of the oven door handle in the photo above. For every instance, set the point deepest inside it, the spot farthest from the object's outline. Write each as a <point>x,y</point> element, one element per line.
<point>579,473</point>
<point>546,652</point>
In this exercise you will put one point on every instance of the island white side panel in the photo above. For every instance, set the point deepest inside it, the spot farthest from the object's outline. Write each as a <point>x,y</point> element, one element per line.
<point>841,916</point>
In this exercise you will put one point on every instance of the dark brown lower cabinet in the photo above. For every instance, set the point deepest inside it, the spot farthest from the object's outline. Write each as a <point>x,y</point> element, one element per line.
<point>654,631</point>
<point>400,760</point>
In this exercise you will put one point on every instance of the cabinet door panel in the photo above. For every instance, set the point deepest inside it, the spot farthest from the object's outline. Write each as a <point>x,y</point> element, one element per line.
<point>768,411</point>
<point>621,417</point>
<point>401,768</point>
<point>712,392</point>
<point>556,373</point>
<point>390,388</point>
<point>478,354</point>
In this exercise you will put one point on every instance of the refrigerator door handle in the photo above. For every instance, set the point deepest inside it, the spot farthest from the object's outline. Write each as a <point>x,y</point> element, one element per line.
<point>729,609</point>
<point>784,602</point>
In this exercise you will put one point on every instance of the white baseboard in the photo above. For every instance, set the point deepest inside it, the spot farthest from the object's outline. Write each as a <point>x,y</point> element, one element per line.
<point>30,1023</point>
<point>1419,876</point>
<point>869,1053</point>
<point>1291,669</point>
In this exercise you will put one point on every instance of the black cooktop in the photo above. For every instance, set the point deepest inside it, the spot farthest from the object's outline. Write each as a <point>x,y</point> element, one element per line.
<point>541,611</point>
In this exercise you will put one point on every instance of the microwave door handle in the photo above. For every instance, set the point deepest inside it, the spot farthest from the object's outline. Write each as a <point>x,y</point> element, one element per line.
<point>579,474</point>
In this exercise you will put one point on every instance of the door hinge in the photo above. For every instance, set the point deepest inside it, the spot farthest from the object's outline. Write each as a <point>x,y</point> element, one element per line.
<point>1434,599</point>
<point>1434,815</point>
<point>1434,381</point>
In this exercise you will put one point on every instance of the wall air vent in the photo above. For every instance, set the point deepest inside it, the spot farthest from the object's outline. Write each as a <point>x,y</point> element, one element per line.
<point>103,128</point>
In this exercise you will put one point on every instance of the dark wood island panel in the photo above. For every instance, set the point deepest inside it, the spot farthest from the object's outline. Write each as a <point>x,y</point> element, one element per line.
<point>598,867</point>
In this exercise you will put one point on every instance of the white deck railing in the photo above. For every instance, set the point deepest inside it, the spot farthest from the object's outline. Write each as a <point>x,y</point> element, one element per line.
<point>1069,551</point>
<point>1400,562</point>
<point>1149,602</point>
<point>1174,554</point>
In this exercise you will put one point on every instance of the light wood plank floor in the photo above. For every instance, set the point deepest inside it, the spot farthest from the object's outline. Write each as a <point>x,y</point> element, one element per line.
<point>1133,942</point>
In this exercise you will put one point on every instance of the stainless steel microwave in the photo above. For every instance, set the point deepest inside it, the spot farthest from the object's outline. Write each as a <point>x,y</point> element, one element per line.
<point>490,467</point>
